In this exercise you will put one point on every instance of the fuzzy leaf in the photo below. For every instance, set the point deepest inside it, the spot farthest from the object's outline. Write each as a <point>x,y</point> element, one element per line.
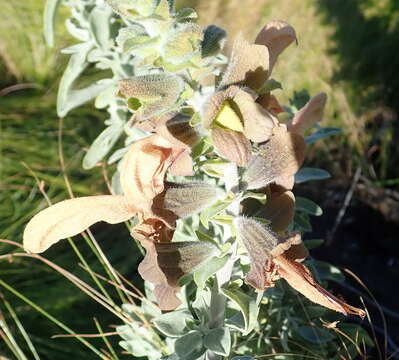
<point>247,306</point>
<point>219,341</point>
<point>100,21</point>
<point>308,206</point>
<point>190,346</point>
<point>205,271</point>
<point>321,134</point>
<point>173,324</point>
<point>50,12</point>
<point>70,217</point>
<point>102,145</point>
<point>213,210</point>
<point>308,174</point>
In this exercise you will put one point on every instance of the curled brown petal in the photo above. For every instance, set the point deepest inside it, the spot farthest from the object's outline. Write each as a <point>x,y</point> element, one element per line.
<point>309,115</point>
<point>270,103</point>
<point>71,217</point>
<point>276,35</point>
<point>300,278</point>
<point>143,170</point>
<point>232,145</point>
<point>248,65</point>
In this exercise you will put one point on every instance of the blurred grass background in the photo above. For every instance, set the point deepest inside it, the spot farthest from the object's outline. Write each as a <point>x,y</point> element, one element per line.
<point>347,48</point>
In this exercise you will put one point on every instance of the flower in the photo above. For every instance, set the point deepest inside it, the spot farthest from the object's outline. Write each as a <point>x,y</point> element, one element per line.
<point>273,257</point>
<point>142,180</point>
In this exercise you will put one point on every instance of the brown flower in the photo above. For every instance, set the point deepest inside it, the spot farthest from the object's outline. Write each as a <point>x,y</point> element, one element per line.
<point>274,257</point>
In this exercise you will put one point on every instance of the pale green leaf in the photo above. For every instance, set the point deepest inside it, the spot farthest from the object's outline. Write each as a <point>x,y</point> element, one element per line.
<point>190,346</point>
<point>219,341</point>
<point>174,324</point>
<point>205,271</point>
<point>50,12</point>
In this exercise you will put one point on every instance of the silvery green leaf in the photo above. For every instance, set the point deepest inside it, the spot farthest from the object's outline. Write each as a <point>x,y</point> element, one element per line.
<point>186,14</point>
<point>308,206</point>
<point>69,98</point>
<point>243,357</point>
<point>117,155</point>
<point>316,335</point>
<point>205,271</point>
<point>213,210</point>
<point>100,21</point>
<point>321,134</point>
<point>190,346</point>
<point>182,42</point>
<point>201,305</point>
<point>138,341</point>
<point>77,31</point>
<point>219,341</point>
<point>308,174</point>
<point>105,97</point>
<point>173,324</point>
<point>190,198</point>
<point>102,145</point>
<point>132,10</point>
<point>213,42</point>
<point>247,305</point>
<point>50,12</point>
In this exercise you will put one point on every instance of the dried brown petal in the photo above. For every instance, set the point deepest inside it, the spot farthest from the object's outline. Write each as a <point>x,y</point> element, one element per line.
<point>165,263</point>
<point>143,170</point>
<point>232,145</point>
<point>248,65</point>
<point>309,115</point>
<point>270,103</point>
<point>71,217</point>
<point>191,198</point>
<point>276,35</point>
<point>280,209</point>
<point>281,156</point>
<point>259,241</point>
<point>300,278</point>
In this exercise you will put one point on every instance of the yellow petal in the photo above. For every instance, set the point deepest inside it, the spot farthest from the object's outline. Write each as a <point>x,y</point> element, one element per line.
<point>229,119</point>
<point>300,278</point>
<point>71,217</point>
<point>309,115</point>
<point>276,35</point>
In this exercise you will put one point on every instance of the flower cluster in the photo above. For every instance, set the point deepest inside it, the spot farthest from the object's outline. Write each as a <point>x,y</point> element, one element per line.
<point>241,121</point>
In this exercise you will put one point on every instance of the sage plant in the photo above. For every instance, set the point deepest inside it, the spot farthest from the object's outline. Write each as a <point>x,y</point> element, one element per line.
<point>205,176</point>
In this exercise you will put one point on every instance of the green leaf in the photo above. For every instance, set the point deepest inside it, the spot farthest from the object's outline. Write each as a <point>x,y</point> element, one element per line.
<point>219,341</point>
<point>205,271</point>
<point>185,14</point>
<point>321,134</point>
<point>201,305</point>
<point>316,335</point>
<point>301,220</point>
<point>213,42</point>
<point>213,210</point>
<point>201,148</point>
<point>261,197</point>
<point>102,145</point>
<point>308,174</point>
<point>69,98</point>
<point>313,243</point>
<point>100,21</point>
<point>326,271</point>
<point>269,85</point>
<point>307,206</point>
<point>50,12</point>
<point>247,305</point>
<point>190,346</point>
<point>174,324</point>
<point>243,357</point>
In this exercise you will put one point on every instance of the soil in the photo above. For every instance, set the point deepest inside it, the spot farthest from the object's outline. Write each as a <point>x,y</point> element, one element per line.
<point>367,244</point>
